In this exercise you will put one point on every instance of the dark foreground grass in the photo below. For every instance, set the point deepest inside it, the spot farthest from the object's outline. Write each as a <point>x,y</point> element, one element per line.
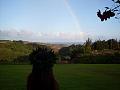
<point>69,76</point>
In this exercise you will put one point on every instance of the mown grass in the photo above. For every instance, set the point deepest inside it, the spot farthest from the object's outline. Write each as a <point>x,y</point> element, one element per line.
<point>69,76</point>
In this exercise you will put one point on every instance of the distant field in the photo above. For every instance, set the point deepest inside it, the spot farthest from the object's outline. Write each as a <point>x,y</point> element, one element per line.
<point>69,76</point>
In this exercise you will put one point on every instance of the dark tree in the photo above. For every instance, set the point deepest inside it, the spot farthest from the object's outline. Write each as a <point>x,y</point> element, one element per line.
<point>113,44</point>
<point>64,52</point>
<point>88,45</point>
<point>42,77</point>
<point>100,45</point>
<point>76,52</point>
<point>110,12</point>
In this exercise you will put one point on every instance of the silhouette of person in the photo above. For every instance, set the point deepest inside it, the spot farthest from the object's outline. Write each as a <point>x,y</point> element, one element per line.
<point>42,77</point>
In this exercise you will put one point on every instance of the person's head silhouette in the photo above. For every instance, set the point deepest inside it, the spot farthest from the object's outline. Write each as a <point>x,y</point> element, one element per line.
<point>42,77</point>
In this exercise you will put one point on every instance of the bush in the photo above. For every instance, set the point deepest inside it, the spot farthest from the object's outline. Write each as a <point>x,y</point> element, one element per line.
<point>100,59</point>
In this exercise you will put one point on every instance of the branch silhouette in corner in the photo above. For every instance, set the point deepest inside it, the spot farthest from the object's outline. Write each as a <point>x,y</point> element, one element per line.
<point>110,12</point>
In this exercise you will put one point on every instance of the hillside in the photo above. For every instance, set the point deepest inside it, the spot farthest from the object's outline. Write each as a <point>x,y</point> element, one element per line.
<point>17,51</point>
<point>10,50</point>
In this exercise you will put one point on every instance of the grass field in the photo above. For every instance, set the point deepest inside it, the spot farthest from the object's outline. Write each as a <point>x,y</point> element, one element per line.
<point>69,76</point>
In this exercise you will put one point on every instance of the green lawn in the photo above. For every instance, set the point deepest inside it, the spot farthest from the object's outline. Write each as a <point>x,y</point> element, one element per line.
<point>69,76</point>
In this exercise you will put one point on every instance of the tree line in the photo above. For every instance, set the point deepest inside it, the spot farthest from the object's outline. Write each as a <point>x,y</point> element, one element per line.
<point>100,51</point>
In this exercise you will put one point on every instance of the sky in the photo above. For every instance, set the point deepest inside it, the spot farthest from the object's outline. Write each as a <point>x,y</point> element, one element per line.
<point>55,20</point>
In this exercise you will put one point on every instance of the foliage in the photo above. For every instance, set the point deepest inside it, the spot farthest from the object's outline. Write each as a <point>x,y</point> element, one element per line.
<point>21,60</point>
<point>109,44</point>
<point>87,45</point>
<point>102,59</point>
<point>110,12</point>
<point>76,51</point>
<point>68,53</point>
<point>64,52</point>
<point>100,51</point>
<point>15,51</point>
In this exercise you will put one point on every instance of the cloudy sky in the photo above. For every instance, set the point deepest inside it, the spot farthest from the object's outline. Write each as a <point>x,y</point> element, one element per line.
<point>55,20</point>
